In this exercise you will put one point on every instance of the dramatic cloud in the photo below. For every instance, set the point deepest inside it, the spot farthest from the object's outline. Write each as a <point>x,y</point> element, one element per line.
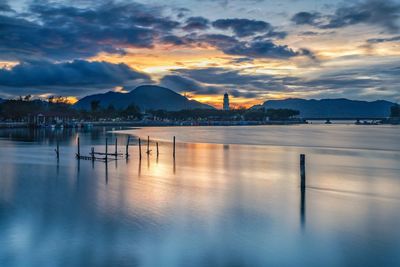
<point>265,49</point>
<point>311,18</point>
<point>184,84</point>
<point>367,82</point>
<point>78,73</point>
<point>5,7</point>
<point>66,32</point>
<point>196,23</point>
<point>245,27</point>
<point>383,40</point>
<point>220,80</point>
<point>374,12</point>
<point>252,49</point>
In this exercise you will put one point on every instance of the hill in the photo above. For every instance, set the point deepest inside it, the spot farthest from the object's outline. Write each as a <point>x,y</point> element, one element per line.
<point>146,97</point>
<point>332,108</point>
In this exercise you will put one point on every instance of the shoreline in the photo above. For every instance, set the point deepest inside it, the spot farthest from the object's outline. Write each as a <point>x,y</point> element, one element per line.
<point>89,124</point>
<point>7,125</point>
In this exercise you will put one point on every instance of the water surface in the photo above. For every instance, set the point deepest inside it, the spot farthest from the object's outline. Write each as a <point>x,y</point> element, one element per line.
<point>230,198</point>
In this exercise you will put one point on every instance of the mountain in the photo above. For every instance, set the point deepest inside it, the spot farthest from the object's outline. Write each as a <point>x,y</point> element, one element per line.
<point>146,97</point>
<point>332,108</point>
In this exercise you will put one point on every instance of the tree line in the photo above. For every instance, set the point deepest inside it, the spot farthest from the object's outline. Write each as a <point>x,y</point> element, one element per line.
<point>395,111</point>
<point>23,107</point>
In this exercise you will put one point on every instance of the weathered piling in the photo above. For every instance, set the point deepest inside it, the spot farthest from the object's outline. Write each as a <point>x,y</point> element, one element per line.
<point>140,149</point>
<point>92,154</point>
<point>106,149</point>
<point>302,171</point>
<point>78,155</point>
<point>157,149</point>
<point>148,145</point>
<point>116,147</point>
<point>127,148</point>
<point>173,151</point>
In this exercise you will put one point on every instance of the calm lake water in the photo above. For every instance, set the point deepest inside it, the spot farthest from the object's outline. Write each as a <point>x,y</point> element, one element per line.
<point>231,198</point>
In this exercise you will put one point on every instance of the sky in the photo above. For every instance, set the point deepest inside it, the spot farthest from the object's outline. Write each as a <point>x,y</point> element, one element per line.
<point>255,50</point>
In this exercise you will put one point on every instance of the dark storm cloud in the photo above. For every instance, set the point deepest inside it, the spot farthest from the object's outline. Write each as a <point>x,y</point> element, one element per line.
<point>5,7</point>
<point>66,32</point>
<point>264,49</point>
<point>196,23</point>
<point>225,3</point>
<point>374,12</point>
<point>173,40</point>
<point>60,32</point>
<point>252,49</point>
<point>76,73</point>
<point>310,18</point>
<point>243,27</point>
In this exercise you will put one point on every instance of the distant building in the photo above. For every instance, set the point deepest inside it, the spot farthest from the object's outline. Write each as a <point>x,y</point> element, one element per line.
<point>226,101</point>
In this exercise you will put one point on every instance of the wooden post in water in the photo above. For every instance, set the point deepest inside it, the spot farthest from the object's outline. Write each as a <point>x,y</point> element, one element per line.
<point>148,145</point>
<point>127,148</point>
<point>157,148</point>
<point>116,147</point>
<point>303,171</point>
<point>173,151</point>
<point>106,149</point>
<point>92,154</point>
<point>140,149</point>
<point>78,155</point>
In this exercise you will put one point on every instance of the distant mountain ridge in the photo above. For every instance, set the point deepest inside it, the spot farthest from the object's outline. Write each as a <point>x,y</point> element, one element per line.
<point>146,97</point>
<point>332,108</point>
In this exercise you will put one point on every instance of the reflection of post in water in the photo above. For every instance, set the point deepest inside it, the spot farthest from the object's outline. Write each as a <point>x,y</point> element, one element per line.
<point>79,166</point>
<point>148,161</point>
<point>140,167</point>
<point>58,167</point>
<point>303,208</point>
<point>174,168</point>
<point>106,163</point>
<point>92,156</point>
<point>157,155</point>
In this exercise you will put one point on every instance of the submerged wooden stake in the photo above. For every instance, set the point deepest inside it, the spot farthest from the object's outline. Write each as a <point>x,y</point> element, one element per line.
<point>157,148</point>
<point>92,154</point>
<point>116,147</point>
<point>106,149</point>
<point>148,145</point>
<point>302,171</point>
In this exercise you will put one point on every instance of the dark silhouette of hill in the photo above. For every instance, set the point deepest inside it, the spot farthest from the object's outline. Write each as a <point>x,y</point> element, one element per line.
<point>146,97</point>
<point>332,108</point>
